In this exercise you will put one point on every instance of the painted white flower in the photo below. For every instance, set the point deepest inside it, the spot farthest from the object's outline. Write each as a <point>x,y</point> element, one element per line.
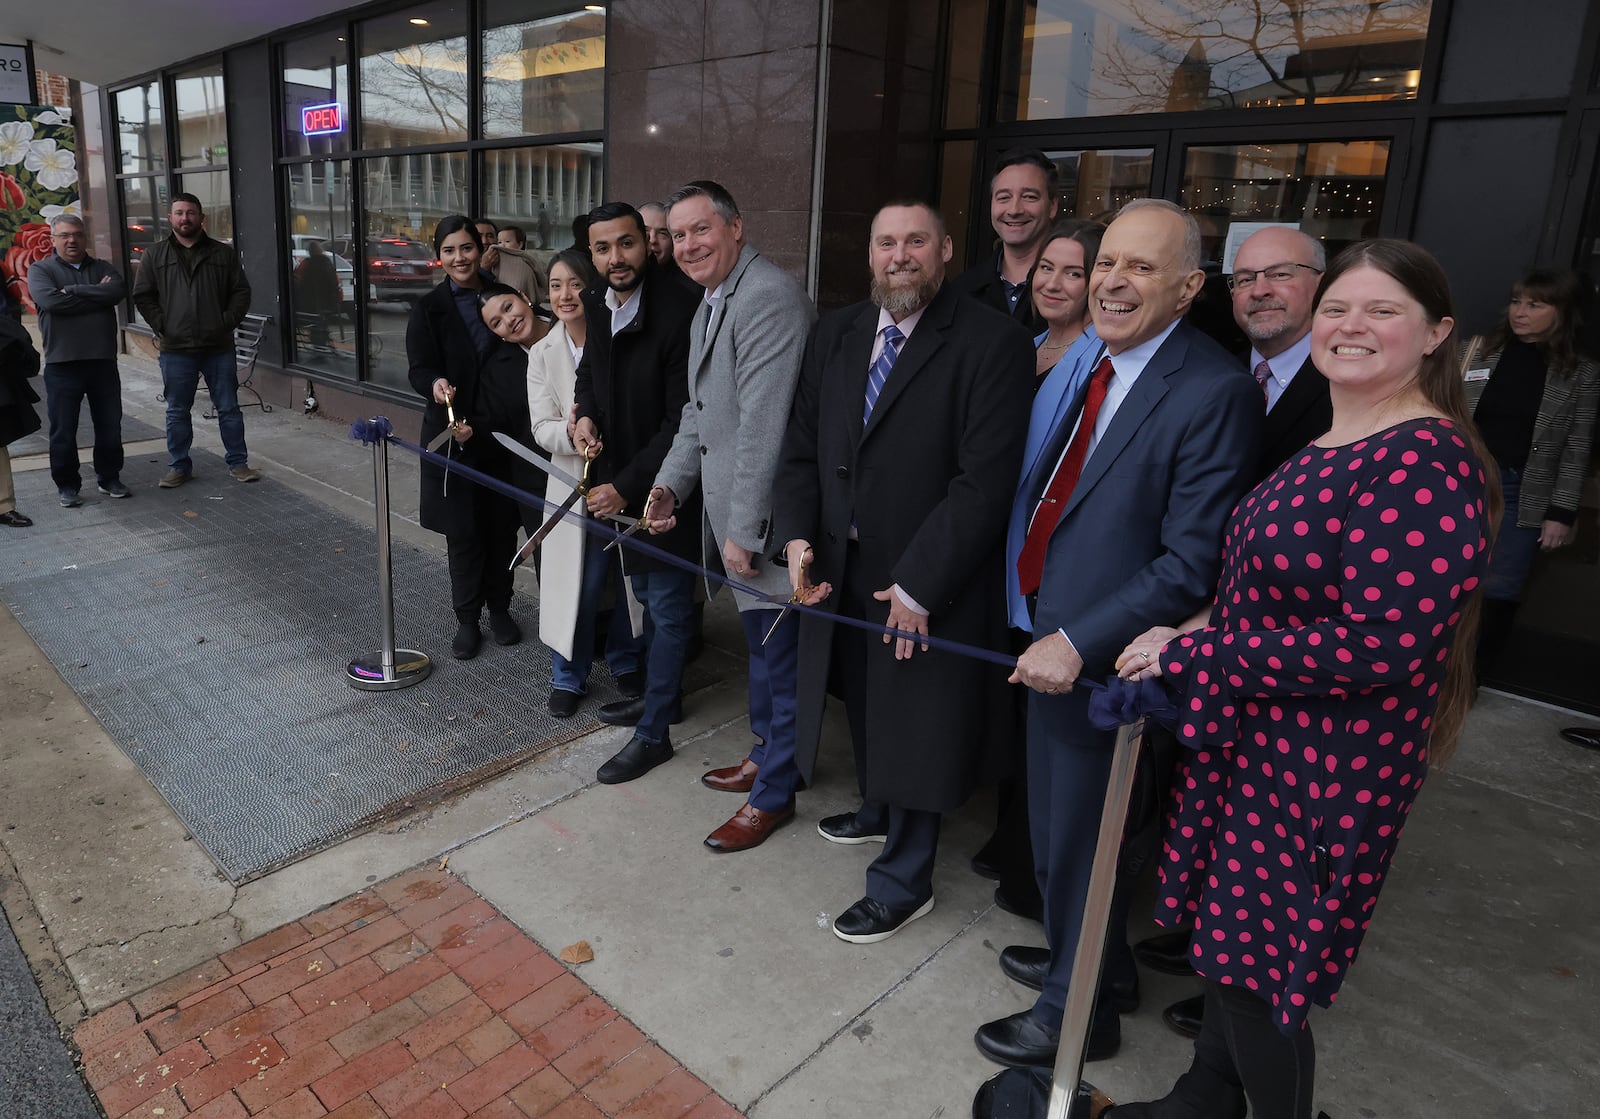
<point>16,137</point>
<point>55,168</point>
<point>50,213</point>
<point>54,116</point>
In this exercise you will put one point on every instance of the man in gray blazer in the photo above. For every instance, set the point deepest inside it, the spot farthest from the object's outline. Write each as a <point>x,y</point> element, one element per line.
<point>745,347</point>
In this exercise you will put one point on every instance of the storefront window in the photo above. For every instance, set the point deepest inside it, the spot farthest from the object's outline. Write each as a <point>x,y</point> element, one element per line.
<point>1080,58</point>
<point>319,254</point>
<point>141,140</point>
<point>1332,190</point>
<point>144,206</point>
<point>544,68</point>
<point>414,74</point>
<point>201,116</point>
<point>540,190</point>
<point>316,95</point>
<point>1095,183</point>
<point>963,63</point>
<point>216,201</point>
<point>404,196</point>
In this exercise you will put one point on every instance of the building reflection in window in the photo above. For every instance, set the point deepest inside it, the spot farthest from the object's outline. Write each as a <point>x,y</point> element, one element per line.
<point>320,252</point>
<point>540,190</point>
<point>315,72</point>
<point>141,140</point>
<point>198,98</point>
<point>1095,183</point>
<point>414,77</point>
<point>1077,58</point>
<point>544,68</point>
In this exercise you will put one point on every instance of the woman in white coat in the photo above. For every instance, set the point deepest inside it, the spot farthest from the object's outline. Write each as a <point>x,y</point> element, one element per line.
<point>576,571</point>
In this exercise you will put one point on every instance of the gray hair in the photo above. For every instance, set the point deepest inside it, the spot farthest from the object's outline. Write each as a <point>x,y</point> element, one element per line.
<point>66,219</point>
<point>1319,253</point>
<point>1191,227</point>
<point>717,194</point>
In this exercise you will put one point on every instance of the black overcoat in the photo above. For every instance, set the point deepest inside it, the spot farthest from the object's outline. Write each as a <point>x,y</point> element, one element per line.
<point>18,361</point>
<point>928,484</point>
<point>438,345</point>
<point>634,387</point>
<point>1303,412</point>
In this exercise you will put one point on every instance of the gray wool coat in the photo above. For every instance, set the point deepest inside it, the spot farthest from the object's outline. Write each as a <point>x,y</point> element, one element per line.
<point>742,377</point>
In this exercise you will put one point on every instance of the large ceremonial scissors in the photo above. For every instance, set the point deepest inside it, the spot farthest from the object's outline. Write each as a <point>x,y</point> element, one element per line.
<point>580,489</point>
<point>451,429</point>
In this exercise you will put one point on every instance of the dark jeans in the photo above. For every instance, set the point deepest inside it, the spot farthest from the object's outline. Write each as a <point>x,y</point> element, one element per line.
<point>180,378</point>
<point>668,598</point>
<point>774,685</point>
<point>623,650</point>
<point>1514,548</point>
<point>66,384</point>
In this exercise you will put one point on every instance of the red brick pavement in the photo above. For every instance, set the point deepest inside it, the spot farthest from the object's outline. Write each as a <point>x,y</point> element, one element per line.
<point>409,1000</point>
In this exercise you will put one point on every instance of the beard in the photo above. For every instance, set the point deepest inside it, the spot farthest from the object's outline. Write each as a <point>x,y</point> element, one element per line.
<point>902,299</point>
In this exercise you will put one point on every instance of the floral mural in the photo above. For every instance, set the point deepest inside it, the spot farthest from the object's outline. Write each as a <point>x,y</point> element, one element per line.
<point>38,181</point>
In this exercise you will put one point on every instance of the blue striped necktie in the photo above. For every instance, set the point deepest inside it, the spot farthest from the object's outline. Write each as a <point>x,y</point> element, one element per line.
<point>878,375</point>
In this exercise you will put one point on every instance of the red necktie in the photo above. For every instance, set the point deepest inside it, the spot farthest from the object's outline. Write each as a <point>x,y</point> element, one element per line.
<point>1030,564</point>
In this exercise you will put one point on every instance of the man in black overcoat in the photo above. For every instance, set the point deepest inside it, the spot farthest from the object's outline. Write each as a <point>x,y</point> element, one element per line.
<point>892,493</point>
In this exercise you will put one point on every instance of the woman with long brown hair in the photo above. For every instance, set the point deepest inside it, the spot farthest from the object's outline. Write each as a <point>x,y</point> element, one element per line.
<point>1333,668</point>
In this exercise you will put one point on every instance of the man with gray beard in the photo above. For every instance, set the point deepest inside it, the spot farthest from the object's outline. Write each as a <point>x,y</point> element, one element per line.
<point>892,496</point>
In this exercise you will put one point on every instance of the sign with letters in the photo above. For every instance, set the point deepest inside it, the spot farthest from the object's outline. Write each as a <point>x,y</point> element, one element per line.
<point>16,75</point>
<point>320,120</point>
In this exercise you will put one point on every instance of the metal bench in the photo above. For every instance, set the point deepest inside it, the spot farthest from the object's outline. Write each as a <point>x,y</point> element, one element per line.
<point>246,348</point>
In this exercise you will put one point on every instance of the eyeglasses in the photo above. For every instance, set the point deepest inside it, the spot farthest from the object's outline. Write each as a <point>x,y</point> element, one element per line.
<point>1244,279</point>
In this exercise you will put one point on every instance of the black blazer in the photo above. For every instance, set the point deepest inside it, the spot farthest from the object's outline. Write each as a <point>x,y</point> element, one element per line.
<point>1302,413</point>
<point>438,345</point>
<point>634,387</point>
<point>982,282</point>
<point>927,481</point>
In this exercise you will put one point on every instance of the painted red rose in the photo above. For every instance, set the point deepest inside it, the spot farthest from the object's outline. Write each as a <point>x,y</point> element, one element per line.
<point>31,243</point>
<point>11,196</point>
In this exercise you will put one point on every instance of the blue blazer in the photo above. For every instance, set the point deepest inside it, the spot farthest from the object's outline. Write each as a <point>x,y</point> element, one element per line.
<point>1053,405</point>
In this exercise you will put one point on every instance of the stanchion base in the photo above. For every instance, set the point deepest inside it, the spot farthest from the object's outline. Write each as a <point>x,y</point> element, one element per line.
<point>366,673</point>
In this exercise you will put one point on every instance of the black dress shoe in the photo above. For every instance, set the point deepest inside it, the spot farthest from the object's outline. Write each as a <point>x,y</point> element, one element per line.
<point>630,684</point>
<point>1583,736</point>
<point>468,641</point>
<point>869,920</point>
<point>1026,964</point>
<point>1167,953</point>
<point>504,628</point>
<point>564,704</point>
<point>986,864</point>
<point>1030,907</point>
<point>15,519</point>
<point>843,828</point>
<point>1019,1040</point>
<point>634,760</point>
<point>628,712</point>
<point>1186,1015</point>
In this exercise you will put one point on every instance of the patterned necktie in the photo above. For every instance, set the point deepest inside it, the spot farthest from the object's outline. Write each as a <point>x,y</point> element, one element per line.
<point>878,375</point>
<point>1030,563</point>
<point>1263,375</point>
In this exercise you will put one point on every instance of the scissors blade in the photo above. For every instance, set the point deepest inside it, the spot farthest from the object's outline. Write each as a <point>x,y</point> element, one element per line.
<point>632,528</point>
<point>441,439</point>
<point>545,529</point>
<point>538,460</point>
<point>782,614</point>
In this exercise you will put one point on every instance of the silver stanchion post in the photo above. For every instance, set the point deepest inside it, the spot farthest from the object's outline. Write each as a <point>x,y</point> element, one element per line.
<point>389,668</point>
<point>1064,1089</point>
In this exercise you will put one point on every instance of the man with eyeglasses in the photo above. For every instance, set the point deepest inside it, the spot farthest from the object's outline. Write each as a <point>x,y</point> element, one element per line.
<point>1274,282</point>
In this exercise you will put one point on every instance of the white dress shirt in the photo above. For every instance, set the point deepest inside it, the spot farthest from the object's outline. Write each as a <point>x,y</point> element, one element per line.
<point>713,304</point>
<point>622,313</point>
<point>1283,367</point>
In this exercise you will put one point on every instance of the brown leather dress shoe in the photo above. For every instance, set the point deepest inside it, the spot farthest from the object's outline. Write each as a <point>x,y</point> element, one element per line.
<point>739,778</point>
<point>748,828</point>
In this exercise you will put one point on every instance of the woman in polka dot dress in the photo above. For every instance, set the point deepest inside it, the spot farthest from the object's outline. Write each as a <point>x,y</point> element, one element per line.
<point>1326,677</point>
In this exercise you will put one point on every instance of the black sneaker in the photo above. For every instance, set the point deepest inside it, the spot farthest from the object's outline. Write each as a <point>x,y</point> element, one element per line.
<point>504,628</point>
<point>114,488</point>
<point>843,828</point>
<point>564,704</point>
<point>69,498</point>
<point>468,640</point>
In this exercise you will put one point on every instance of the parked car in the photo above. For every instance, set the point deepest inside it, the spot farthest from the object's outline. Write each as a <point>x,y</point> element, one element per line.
<point>400,269</point>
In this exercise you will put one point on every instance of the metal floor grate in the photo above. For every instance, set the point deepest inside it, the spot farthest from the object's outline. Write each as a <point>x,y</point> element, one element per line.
<point>208,629</point>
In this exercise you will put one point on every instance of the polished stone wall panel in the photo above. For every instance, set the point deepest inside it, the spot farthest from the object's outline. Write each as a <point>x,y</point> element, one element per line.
<point>736,27</point>
<point>647,33</point>
<point>653,140</point>
<point>758,116</point>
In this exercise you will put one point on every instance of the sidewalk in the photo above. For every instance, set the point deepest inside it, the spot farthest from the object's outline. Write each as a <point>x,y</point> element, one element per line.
<point>1474,995</point>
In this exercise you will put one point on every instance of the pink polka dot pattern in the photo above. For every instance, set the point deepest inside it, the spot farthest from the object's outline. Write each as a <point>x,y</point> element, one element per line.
<point>1306,705</point>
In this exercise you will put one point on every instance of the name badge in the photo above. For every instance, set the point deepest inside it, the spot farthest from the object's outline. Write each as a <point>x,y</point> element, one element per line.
<point>1478,374</point>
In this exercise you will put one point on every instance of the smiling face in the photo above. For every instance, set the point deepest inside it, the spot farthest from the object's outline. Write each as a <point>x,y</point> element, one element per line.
<point>1274,309</point>
<point>657,234</point>
<point>460,255</point>
<point>907,255</point>
<point>565,292</point>
<point>1370,335</point>
<point>1532,320</point>
<point>619,251</point>
<point>510,317</point>
<point>1061,283</point>
<point>1020,205</point>
<point>1141,284</point>
<point>706,246</point>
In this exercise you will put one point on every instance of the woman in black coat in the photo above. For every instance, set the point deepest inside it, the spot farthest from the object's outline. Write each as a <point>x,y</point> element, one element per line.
<point>452,356</point>
<point>18,361</point>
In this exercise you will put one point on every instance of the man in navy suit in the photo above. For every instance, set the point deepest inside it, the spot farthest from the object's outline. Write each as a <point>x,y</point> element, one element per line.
<point>1126,508</point>
<point>1274,282</point>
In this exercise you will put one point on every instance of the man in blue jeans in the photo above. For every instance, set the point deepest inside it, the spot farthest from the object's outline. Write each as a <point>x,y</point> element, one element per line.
<point>77,298</point>
<point>630,389</point>
<point>192,291</point>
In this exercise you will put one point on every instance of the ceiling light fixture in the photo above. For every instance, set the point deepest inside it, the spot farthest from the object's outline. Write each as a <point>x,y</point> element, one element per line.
<point>417,21</point>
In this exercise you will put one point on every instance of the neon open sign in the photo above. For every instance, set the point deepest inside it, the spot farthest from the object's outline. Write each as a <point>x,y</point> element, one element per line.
<point>319,120</point>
